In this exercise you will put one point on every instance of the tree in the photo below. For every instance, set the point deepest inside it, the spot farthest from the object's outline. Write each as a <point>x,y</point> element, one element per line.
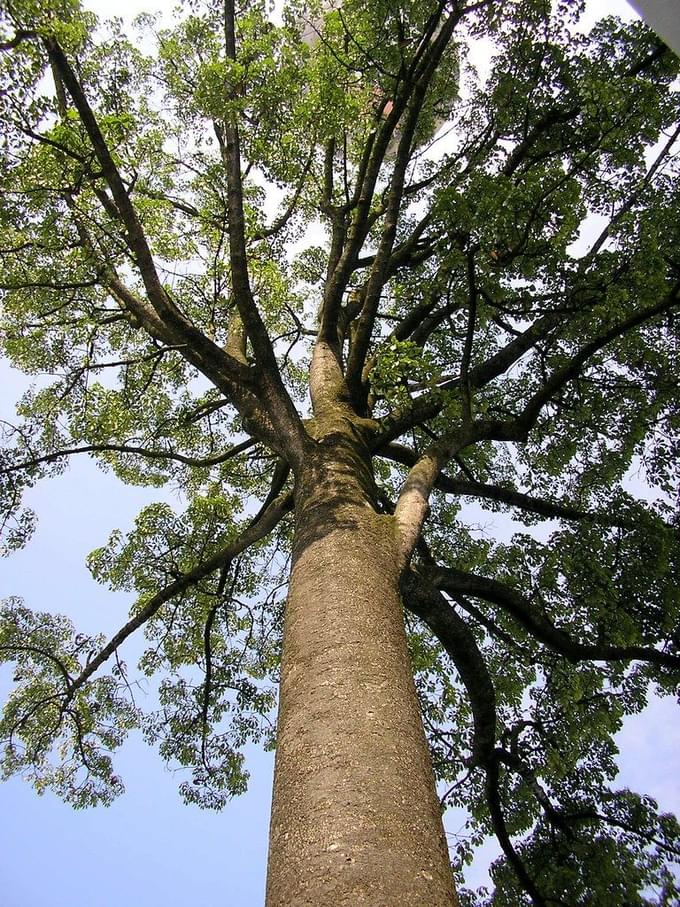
<point>492,316</point>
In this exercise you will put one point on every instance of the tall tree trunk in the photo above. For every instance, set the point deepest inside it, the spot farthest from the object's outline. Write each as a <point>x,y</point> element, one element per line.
<point>355,817</point>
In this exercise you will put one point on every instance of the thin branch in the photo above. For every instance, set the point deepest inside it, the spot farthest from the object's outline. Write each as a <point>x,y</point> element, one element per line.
<point>43,653</point>
<point>632,198</point>
<point>255,531</point>
<point>21,35</point>
<point>283,219</point>
<point>145,452</point>
<point>517,428</point>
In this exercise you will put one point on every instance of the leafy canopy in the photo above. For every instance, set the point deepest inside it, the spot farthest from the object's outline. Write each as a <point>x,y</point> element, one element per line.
<point>202,224</point>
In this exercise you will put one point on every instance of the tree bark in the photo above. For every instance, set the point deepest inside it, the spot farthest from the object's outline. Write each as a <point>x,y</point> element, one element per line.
<point>355,816</point>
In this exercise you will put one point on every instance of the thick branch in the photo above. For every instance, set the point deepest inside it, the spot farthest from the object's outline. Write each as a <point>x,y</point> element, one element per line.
<point>466,384</point>
<point>460,644</point>
<point>413,503</point>
<point>430,606</point>
<point>500,362</point>
<point>280,407</point>
<point>405,97</point>
<point>551,510</point>
<point>537,624</point>
<point>162,317</point>
<point>364,330</point>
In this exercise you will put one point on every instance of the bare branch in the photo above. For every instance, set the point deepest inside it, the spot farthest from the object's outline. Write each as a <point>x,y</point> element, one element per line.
<point>145,452</point>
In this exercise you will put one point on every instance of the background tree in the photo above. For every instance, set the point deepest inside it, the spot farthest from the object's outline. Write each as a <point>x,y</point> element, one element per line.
<point>417,326</point>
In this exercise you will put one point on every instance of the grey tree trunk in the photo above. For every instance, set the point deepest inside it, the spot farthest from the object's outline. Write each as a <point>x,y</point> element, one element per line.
<point>355,817</point>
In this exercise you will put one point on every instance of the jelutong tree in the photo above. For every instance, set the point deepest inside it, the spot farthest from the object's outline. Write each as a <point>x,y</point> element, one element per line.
<point>251,271</point>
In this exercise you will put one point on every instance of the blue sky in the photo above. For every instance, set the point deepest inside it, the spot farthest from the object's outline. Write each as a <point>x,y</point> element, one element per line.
<point>148,848</point>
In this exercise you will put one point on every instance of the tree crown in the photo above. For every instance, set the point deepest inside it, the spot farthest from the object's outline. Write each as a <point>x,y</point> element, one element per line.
<point>237,242</point>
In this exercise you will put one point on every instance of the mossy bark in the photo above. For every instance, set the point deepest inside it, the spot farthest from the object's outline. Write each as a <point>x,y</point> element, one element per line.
<point>355,819</point>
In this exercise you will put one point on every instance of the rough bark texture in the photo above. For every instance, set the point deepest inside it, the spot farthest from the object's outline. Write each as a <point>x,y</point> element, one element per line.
<point>356,819</point>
